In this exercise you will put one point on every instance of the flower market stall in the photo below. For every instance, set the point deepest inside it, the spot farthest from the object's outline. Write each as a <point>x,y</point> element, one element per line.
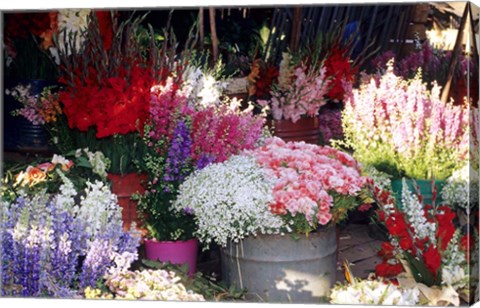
<point>164,155</point>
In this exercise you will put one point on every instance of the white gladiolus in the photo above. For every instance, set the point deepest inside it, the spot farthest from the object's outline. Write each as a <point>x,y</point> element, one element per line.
<point>71,25</point>
<point>414,210</point>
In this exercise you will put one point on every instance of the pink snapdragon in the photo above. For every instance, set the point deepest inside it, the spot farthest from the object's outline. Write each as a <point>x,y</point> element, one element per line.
<point>403,123</point>
<point>167,105</point>
<point>220,132</point>
<point>306,175</point>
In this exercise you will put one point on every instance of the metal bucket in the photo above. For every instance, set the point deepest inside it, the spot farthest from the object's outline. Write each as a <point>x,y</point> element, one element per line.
<point>275,268</point>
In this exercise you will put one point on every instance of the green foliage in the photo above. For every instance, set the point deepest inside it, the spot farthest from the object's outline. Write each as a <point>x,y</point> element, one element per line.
<point>31,62</point>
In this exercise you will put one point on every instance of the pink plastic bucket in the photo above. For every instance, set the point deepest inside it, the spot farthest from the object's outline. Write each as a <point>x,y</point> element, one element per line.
<point>175,252</point>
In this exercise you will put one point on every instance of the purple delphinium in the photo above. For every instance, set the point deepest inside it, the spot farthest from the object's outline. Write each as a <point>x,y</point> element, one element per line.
<point>43,245</point>
<point>205,160</point>
<point>178,154</point>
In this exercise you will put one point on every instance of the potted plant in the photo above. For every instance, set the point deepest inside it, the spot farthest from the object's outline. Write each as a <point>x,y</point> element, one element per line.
<point>316,75</point>
<point>271,209</point>
<point>189,128</point>
<point>402,128</point>
<point>295,100</point>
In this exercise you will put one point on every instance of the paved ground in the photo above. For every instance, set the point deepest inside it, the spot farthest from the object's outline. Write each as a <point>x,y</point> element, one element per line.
<point>358,245</point>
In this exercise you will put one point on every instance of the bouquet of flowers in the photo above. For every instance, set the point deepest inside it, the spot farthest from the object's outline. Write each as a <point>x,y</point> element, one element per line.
<point>187,132</point>
<point>402,128</point>
<point>56,242</point>
<point>275,188</point>
<point>461,193</point>
<point>425,247</point>
<point>300,90</point>
<point>107,74</point>
<point>160,285</point>
<point>373,292</point>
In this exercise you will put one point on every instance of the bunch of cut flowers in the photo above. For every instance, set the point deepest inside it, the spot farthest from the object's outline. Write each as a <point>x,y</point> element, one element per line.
<point>147,284</point>
<point>402,128</point>
<point>60,234</point>
<point>187,132</point>
<point>275,188</point>
<point>107,73</point>
<point>373,292</point>
<point>300,91</point>
<point>425,249</point>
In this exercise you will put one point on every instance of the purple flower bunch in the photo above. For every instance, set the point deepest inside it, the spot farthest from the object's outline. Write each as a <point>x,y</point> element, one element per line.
<point>178,158</point>
<point>433,63</point>
<point>47,250</point>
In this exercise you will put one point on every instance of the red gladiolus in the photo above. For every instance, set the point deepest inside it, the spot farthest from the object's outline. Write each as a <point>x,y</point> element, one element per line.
<point>106,29</point>
<point>339,68</point>
<point>446,228</point>
<point>386,250</point>
<point>386,269</point>
<point>432,259</point>
<point>264,83</point>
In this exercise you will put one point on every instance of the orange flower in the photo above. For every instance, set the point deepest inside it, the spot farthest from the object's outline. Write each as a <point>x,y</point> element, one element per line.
<point>35,175</point>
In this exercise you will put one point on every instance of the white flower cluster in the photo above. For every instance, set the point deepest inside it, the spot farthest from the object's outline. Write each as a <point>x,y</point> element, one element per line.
<point>414,210</point>
<point>65,199</point>
<point>71,25</point>
<point>461,188</point>
<point>229,200</point>
<point>381,179</point>
<point>97,160</point>
<point>201,87</point>
<point>454,267</point>
<point>149,285</point>
<point>373,292</point>
<point>99,207</point>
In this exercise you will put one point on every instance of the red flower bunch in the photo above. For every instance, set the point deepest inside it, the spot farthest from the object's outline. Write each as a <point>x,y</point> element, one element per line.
<point>107,86</point>
<point>339,68</point>
<point>114,105</point>
<point>421,236</point>
<point>266,79</point>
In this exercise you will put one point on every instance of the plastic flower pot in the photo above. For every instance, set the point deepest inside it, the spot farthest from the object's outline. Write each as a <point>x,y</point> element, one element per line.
<point>174,252</point>
<point>124,186</point>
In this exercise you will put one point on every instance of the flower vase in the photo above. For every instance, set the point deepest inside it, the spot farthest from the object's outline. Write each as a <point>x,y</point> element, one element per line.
<point>174,252</point>
<point>305,129</point>
<point>124,186</point>
<point>424,186</point>
<point>279,268</point>
<point>21,134</point>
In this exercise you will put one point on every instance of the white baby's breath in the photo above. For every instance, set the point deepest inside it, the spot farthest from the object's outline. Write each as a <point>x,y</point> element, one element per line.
<point>229,200</point>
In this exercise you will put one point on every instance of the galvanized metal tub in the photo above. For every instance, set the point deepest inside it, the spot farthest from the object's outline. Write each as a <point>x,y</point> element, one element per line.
<point>276,268</point>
